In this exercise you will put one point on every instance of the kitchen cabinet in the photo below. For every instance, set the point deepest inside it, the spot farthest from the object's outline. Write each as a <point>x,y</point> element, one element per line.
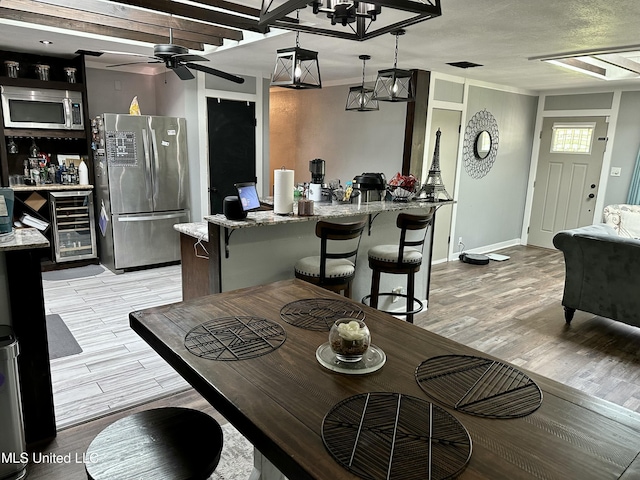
<point>53,142</point>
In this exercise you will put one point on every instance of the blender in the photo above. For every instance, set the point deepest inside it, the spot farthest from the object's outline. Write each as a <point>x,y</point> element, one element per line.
<point>316,167</point>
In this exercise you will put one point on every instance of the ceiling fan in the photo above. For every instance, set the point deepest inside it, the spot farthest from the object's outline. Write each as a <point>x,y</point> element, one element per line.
<point>178,59</point>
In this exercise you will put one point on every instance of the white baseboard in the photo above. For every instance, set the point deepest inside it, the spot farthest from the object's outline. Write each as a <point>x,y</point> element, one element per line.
<point>487,248</point>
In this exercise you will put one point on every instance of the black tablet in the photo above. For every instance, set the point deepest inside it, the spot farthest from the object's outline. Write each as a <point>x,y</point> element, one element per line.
<point>248,195</point>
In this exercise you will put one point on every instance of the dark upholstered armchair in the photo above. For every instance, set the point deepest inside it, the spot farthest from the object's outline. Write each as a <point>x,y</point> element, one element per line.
<point>602,273</point>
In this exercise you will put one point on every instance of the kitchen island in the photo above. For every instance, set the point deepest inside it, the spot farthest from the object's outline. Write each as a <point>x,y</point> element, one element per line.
<point>264,247</point>
<point>22,307</point>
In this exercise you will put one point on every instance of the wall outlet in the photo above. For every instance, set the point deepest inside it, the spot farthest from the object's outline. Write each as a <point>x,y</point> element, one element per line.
<point>397,290</point>
<point>615,171</point>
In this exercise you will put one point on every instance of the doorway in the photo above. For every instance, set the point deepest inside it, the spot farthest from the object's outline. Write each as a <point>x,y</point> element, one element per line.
<point>566,185</point>
<point>231,127</point>
<point>448,121</point>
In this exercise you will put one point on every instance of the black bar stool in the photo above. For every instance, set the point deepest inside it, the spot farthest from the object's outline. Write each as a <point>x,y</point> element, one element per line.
<point>332,270</point>
<point>401,259</point>
<point>164,443</point>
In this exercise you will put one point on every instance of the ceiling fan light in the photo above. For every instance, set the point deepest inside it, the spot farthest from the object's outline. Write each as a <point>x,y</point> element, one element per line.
<point>296,68</point>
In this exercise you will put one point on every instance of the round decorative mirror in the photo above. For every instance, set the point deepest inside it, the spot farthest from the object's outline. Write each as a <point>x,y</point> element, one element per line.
<point>480,144</point>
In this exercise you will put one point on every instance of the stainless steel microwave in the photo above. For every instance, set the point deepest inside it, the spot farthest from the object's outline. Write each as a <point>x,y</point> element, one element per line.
<point>24,107</point>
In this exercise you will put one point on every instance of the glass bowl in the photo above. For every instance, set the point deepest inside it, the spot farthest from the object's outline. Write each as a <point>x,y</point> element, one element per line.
<point>349,339</point>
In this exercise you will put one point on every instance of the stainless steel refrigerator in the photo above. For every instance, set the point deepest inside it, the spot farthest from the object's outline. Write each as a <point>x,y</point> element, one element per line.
<point>142,188</point>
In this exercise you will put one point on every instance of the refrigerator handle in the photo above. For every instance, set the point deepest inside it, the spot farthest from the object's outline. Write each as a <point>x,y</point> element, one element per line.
<point>146,218</point>
<point>147,159</point>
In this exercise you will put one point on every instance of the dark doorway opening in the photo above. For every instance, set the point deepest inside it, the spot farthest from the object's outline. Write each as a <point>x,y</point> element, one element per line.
<point>231,127</point>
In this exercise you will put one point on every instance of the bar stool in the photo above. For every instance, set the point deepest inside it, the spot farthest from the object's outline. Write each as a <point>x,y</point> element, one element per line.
<point>333,271</point>
<point>399,260</point>
<point>164,443</point>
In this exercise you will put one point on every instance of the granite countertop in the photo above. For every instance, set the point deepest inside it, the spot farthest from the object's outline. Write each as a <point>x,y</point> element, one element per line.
<point>199,230</point>
<point>23,239</point>
<point>49,187</point>
<point>320,210</point>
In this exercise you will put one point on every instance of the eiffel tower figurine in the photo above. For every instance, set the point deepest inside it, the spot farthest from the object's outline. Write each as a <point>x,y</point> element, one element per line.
<point>433,190</point>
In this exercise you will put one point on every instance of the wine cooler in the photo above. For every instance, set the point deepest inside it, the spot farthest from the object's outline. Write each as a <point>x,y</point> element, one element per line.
<point>73,225</point>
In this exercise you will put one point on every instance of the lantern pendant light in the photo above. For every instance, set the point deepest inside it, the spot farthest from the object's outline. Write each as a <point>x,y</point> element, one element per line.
<point>296,67</point>
<point>395,84</point>
<point>360,98</point>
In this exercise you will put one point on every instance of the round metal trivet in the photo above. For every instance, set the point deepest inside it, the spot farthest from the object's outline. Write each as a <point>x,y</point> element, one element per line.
<point>394,436</point>
<point>319,313</point>
<point>479,386</point>
<point>235,338</point>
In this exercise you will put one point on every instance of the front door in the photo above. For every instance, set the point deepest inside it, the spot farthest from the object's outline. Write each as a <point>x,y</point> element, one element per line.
<point>232,147</point>
<point>566,185</point>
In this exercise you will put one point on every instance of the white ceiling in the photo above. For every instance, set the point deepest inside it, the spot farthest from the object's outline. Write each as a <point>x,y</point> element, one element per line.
<point>499,34</point>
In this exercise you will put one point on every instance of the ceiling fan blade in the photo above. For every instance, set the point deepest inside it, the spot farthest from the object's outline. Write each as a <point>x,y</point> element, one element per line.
<point>188,57</point>
<point>132,63</point>
<point>217,73</point>
<point>183,72</point>
<point>129,54</point>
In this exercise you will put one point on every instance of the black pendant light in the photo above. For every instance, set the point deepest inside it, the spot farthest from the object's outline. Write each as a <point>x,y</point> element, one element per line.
<point>360,98</point>
<point>296,68</point>
<point>395,84</point>
<point>348,19</point>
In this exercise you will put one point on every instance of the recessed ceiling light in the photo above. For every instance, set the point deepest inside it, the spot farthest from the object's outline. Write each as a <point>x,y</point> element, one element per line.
<point>46,42</point>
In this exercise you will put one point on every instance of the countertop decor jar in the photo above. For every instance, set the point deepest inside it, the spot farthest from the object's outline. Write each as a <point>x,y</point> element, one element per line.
<point>70,73</point>
<point>349,339</point>
<point>42,71</point>
<point>12,68</point>
<point>305,207</point>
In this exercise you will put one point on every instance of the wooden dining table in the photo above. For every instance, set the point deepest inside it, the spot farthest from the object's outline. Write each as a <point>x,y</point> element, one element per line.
<point>279,399</point>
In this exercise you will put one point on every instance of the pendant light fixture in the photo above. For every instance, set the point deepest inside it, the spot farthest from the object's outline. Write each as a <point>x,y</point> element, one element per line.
<point>395,84</point>
<point>296,67</point>
<point>348,19</point>
<point>360,98</point>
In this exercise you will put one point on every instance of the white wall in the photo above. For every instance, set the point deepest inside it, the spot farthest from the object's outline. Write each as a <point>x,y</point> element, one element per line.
<point>110,91</point>
<point>178,98</point>
<point>625,148</point>
<point>490,210</point>
<point>351,143</point>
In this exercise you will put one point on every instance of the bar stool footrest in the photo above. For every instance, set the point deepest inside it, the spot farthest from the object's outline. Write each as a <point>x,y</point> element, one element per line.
<point>420,307</point>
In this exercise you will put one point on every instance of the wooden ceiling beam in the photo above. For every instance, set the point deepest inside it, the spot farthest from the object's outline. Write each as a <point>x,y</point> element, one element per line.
<point>200,13</point>
<point>232,7</point>
<point>166,21</point>
<point>81,26</point>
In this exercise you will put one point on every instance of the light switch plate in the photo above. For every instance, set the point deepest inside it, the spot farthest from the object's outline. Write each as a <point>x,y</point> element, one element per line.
<point>615,171</point>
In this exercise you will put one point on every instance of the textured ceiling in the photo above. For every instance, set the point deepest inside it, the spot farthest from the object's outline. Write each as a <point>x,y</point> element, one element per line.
<point>501,35</point>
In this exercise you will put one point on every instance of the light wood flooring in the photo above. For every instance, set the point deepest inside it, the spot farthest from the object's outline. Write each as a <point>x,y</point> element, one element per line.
<point>116,368</point>
<point>508,309</point>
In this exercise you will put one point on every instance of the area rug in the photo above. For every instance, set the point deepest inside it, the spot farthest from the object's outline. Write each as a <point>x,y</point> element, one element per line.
<point>61,341</point>
<point>236,460</point>
<point>73,273</point>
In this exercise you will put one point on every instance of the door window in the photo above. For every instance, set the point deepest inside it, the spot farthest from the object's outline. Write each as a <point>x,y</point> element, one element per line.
<point>572,138</point>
